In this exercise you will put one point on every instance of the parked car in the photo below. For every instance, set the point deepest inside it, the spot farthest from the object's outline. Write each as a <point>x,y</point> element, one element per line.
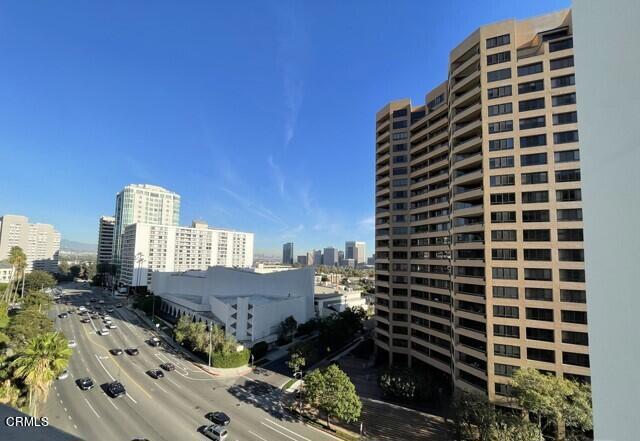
<point>168,366</point>
<point>219,418</point>
<point>155,373</point>
<point>216,433</point>
<point>116,389</point>
<point>118,305</point>
<point>85,383</point>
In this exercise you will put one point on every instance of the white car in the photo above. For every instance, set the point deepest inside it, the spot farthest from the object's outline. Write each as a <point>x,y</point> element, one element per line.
<point>103,331</point>
<point>82,308</point>
<point>63,375</point>
<point>100,301</point>
<point>72,344</point>
<point>111,326</point>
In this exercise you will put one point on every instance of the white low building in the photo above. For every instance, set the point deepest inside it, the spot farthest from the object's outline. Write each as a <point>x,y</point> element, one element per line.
<point>248,305</point>
<point>6,272</point>
<point>328,301</point>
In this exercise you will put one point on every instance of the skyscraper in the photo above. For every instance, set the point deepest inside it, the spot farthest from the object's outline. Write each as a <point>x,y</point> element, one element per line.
<point>317,257</point>
<point>330,256</point>
<point>479,234</point>
<point>146,204</point>
<point>355,250</point>
<point>105,239</point>
<point>287,253</point>
<point>40,242</point>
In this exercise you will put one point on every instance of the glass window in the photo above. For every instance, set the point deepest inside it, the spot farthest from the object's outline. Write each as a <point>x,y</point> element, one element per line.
<point>503,198</point>
<point>504,254</point>
<point>566,156</point>
<point>569,214</point>
<point>569,195</point>
<point>503,235</point>
<point>536,235</point>
<point>533,159</point>
<point>534,104</point>
<point>573,296</point>
<point>579,317</point>
<point>563,100</point>
<point>400,147</point>
<point>504,370</point>
<point>535,197</point>
<point>563,81</point>
<point>505,273</point>
<point>501,126</point>
<point>565,137</point>
<point>536,254</point>
<point>532,123</point>
<point>500,144</point>
<point>570,235</point>
<point>505,292</point>
<point>531,86</point>
<point>572,175</point>
<point>500,57</point>
<point>572,275</point>
<point>544,355</point>
<point>534,178</point>
<point>561,63</point>
<point>543,294</point>
<point>565,118</point>
<point>529,69</point>
<point>541,314</point>
<point>533,140</point>
<point>500,40</point>
<point>500,74</point>
<point>500,109</point>
<point>571,255</point>
<point>506,350</point>
<point>400,124</point>
<point>498,92</point>
<point>506,311</point>
<point>537,274</point>
<point>498,217</point>
<point>501,162</point>
<point>540,334</point>
<point>502,180</point>
<point>555,46</point>
<point>535,216</point>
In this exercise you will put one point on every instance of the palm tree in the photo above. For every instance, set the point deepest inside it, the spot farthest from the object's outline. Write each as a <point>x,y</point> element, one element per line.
<point>9,394</point>
<point>17,259</point>
<point>39,363</point>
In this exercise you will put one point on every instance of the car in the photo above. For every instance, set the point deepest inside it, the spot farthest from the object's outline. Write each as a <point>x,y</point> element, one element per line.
<point>132,351</point>
<point>95,317</point>
<point>72,343</point>
<point>103,331</point>
<point>63,375</point>
<point>116,389</point>
<point>116,351</point>
<point>87,303</point>
<point>85,320</point>
<point>112,326</point>
<point>154,341</point>
<point>109,310</point>
<point>101,301</point>
<point>118,305</point>
<point>85,383</point>
<point>63,315</point>
<point>93,300</point>
<point>82,308</point>
<point>168,366</point>
<point>97,307</point>
<point>155,373</point>
<point>218,418</point>
<point>216,433</point>
<point>107,322</point>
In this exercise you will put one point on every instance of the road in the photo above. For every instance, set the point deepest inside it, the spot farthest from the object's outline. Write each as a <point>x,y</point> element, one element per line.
<point>170,408</point>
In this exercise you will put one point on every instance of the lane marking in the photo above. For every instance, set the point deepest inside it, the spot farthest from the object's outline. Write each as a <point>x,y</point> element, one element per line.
<point>110,401</point>
<point>290,431</point>
<point>161,388</point>
<point>276,430</point>
<point>323,432</point>
<point>176,384</point>
<point>257,436</point>
<point>94,411</point>
<point>131,398</point>
<point>105,369</point>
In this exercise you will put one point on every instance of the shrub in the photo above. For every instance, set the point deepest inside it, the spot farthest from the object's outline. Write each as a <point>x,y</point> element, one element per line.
<point>230,360</point>
<point>259,350</point>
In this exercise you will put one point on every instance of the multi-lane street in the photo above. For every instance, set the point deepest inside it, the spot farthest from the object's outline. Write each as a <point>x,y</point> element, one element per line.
<point>169,408</point>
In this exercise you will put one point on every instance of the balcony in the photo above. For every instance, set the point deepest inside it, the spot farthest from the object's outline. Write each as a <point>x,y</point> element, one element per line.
<point>467,82</point>
<point>467,159</point>
<point>467,177</point>
<point>467,209</point>
<point>460,113</point>
<point>468,97</point>
<point>467,144</point>
<point>473,58</point>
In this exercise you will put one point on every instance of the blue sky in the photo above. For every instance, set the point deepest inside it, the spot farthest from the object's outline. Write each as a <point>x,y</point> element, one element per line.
<point>259,113</point>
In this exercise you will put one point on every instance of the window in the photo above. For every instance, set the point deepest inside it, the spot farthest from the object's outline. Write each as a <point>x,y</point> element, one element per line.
<point>541,314</point>
<point>501,162</point>
<point>536,235</point>
<point>506,350</point>
<point>575,338</point>
<point>533,140</point>
<point>501,217</point>
<point>533,159</point>
<point>555,46</point>
<point>504,254</point>
<point>532,123</point>
<point>570,214</point>
<point>563,81</point>
<point>504,370</point>
<point>545,355</point>
<point>399,182</point>
<point>538,274</point>
<point>572,175</point>
<point>400,171</point>
<point>500,57</point>
<point>399,113</point>
<point>525,106</point>
<point>500,109</point>
<point>505,292</point>
<point>570,195</point>
<point>529,69</point>
<point>400,124</point>
<point>503,235</point>
<point>400,147</point>
<point>542,294</point>
<point>399,136</point>
<point>498,92</point>
<point>575,359</point>
<point>572,275</point>
<point>563,100</point>
<point>500,40</point>
<point>565,137</point>
<point>540,334</point>
<point>501,180</point>
<point>506,331</point>
<point>561,63</point>
<point>535,197</point>
<point>565,118</point>
<point>506,390</point>
<point>531,86</point>
<point>571,255</point>
<point>573,296</point>
<point>501,126</point>
<point>497,75</point>
<point>535,216</point>
<point>503,198</point>
<point>505,311</point>
<point>505,273</point>
<point>399,159</point>
<point>537,254</point>
<point>579,317</point>
<point>534,178</point>
<point>501,144</point>
<point>570,235</point>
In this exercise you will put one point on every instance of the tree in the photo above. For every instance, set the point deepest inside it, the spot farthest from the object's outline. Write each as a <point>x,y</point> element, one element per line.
<point>75,270</point>
<point>9,394</point>
<point>63,267</point>
<point>473,413</point>
<point>39,363</point>
<point>181,329</point>
<point>331,391</point>
<point>37,280</point>
<point>37,300</point>
<point>288,327</point>
<point>513,428</point>
<point>26,325</point>
<point>296,362</point>
<point>18,260</point>
<point>556,400</point>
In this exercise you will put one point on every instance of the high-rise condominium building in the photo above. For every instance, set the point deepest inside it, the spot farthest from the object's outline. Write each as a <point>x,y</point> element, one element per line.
<point>287,253</point>
<point>317,257</point>
<point>143,203</point>
<point>148,247</point>
<point>479,234</point>
<point>40,242</point>
<point>105,239</point>
<point>330,256</point>
<point>355,250</point>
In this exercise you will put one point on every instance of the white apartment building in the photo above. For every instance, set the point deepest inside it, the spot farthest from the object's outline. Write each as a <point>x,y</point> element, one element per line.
<point>105,239</point>
<point>355,250</point>
<point>248,305</point>
<point>147,248</point>
<point>6,272</point>
<point>40,242</point>
<point>143,203</point>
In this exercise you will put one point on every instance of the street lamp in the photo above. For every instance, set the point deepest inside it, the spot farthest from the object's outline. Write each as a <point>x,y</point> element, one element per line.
<point>210,330</point>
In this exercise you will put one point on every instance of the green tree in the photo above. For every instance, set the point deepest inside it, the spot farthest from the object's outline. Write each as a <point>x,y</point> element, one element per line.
<point>331,391</point>
<point>181,329</point>
<point>296,362</point>
<point>63,267</point>
<point>473,414</point>
<point>18,260</point>
<point>199,337</point>
<point>564,403</point>
<point>37,280</point>
<point>26,325</point>
<point>9,394</point>
<point>514,428</point>
<point>39,363</point>
<point>288,327</point>
<point>37,300</point>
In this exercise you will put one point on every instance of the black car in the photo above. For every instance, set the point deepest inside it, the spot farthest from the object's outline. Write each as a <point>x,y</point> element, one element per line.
<point>219,418</point>
<point>155,373</point>
<point>85,320</point>
<point>85,383</point>
<point>116,351</point>
<point>154,341</point>
<point>95,317</point>
<point>132,351</point>
<point>118,305</point>
<point>63,315</point>
<point>168,366</point>
<point>116,389</point>
<point>93,300</point>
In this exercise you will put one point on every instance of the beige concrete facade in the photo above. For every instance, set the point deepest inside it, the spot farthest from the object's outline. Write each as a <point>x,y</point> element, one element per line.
<point>479,252</point>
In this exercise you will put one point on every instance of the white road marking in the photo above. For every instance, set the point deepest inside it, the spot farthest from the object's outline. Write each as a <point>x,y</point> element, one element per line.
<point>161,388</point>
<point>112,403</point>
<point>323,432</point>
<point>176,384</point>
<point>94,411</point>
<point>75,427</point>
<point>70,417</point>
<point>284,428</point>
<point>131,398</point>
<point>105,369</point>
<point>65,409</point>
<point>60,401</point>
<point>276,430</point>
<point>257,436</point>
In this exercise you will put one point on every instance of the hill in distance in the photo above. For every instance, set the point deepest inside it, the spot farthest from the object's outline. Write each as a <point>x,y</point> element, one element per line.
<point>77,247</point>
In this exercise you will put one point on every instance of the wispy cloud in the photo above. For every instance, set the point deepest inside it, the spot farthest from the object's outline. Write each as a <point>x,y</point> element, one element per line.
<point>254,207</point>
<point>292,233</point>
<point>277,175</point>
